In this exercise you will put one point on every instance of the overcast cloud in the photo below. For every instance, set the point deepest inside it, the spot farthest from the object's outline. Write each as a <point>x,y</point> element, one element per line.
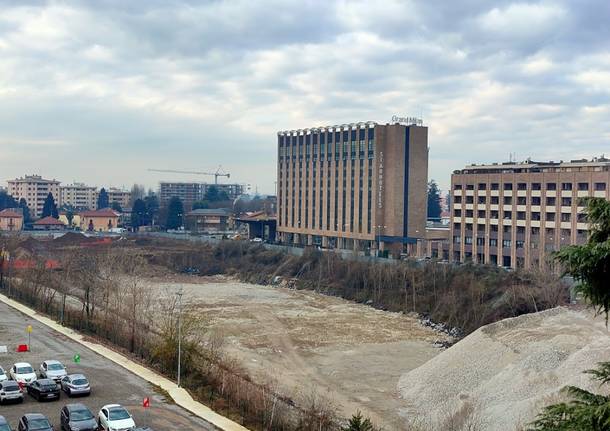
<point>99,91</point>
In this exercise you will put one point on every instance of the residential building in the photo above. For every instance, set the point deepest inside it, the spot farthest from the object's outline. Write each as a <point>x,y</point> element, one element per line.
<point>119,196</point>
<point>99,221</point>
<point>209,220</point>
<point>516,214</point>
<point>79,195</point>
<point>34,189</point>
<point>189,192</point>
<point>63,217</point>
<point>11,219</point>
<point>258,224</point>
<point>356,186</point>
<point>48,223</point>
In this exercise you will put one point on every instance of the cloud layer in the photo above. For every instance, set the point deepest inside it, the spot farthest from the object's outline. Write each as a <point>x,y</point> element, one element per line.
<point>101,91</point>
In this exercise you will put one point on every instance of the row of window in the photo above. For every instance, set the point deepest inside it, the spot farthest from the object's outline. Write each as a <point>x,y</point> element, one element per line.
<point>520,230</point>
<point>533,186</point>
<point>520,200</point>
<point>519,215</point>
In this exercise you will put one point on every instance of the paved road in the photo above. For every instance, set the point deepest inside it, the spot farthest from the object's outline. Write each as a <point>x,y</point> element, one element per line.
<point>110,383</point>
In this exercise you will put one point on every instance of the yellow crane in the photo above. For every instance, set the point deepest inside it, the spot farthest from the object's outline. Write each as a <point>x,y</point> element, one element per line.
<point>219,173</point>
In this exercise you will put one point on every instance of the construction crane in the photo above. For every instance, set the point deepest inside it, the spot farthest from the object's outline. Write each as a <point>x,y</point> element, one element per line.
<point>216,174</point>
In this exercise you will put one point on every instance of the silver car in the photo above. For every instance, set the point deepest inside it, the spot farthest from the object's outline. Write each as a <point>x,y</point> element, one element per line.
<point>10,391</point>
<point>75,384</point>
<point>53,370</point>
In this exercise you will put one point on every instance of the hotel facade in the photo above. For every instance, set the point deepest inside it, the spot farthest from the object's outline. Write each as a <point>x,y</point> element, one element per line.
<point>516,214</point>
<point>356,186</point>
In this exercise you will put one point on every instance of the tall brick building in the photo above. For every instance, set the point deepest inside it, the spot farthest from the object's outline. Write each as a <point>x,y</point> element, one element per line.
<point>516,214</point>
<point>356,186</point>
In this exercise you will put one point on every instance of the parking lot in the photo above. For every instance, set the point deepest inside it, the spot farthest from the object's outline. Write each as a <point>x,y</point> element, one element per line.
<point>110,383</point>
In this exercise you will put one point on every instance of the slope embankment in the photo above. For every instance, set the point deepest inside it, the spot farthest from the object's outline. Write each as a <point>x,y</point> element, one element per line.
<point>502,374</point>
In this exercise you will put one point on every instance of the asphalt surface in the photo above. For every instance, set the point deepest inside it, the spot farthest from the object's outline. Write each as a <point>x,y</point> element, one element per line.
<point>110,383</point>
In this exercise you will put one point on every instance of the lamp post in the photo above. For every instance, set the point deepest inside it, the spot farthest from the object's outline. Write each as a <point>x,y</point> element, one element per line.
<point>179,294</point>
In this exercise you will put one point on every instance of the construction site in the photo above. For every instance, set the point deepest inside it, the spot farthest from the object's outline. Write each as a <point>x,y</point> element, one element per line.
<point>396,367</point>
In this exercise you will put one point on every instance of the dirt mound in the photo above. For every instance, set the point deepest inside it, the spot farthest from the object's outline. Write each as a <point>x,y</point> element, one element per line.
<point>73,238</point>
<point>502,374</point>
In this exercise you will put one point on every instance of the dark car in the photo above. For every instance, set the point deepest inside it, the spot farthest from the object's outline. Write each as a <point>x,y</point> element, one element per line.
<point>44,389</point>
<point>4,426</point>
<point>34,422</point>
<point>77,417</point>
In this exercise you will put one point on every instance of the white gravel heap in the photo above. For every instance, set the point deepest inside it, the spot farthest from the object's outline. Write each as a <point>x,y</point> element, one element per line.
<point>503,373</point>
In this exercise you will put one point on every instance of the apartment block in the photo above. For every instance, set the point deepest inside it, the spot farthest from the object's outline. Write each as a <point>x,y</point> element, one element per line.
<point>34,189</point>
<point>79,195</point>
<point>122,197</point>
<point>515,214</point>
<point>189,192</point>
<point>359,186</point>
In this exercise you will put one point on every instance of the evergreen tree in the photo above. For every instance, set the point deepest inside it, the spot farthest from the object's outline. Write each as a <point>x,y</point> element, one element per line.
<point>7,201</point>
<point>138,214</point>
<point>434,201</point>
<point>175,213</point>
<point>102,199</point>
<point>116,206</point>
<point>359,423</point>
<point>26,210</point>
<point>200,205</point>
<point>50,207</point>
<point>589,264</point>
<point>211,194</point>
<point>152,208</point>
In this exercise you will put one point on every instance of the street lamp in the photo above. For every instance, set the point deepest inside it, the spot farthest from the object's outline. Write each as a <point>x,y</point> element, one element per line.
<point>179,294</point>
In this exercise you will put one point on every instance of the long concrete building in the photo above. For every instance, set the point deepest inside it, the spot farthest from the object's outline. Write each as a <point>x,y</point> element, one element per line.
<point>516,214</point>
<point>34,189</point>
<point>355,186</point>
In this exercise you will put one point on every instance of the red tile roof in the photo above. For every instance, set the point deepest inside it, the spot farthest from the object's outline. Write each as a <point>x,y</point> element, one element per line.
<point>10,213</point>
<point>48,221</point>
<point>104,212</point>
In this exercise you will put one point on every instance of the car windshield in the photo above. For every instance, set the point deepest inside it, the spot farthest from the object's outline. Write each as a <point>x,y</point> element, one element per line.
<point>81,415</point>
<point>79,382</point>
<point>55,367</point>
<point>4,428</point>
<point>118,414</point>
<point>24,370</point>
<point>38,424</point>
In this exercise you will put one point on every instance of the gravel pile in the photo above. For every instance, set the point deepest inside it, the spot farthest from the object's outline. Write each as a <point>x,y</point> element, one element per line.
<point>502,374</point>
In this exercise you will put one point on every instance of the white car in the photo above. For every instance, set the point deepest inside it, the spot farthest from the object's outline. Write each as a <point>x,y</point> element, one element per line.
<point>114,417</point>
<point>53,370</point>
<point>22,372</point>
<point>3,375</point>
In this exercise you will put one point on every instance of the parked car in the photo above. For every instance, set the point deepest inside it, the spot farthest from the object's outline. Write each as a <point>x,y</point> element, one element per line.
<point>44,389</point>
<point>75,384</point>
<point>10,391</point>
<point>114,417</point>
<point>22,372</point>
<point>3,375</point>
<point>4,426</point>
<point>77,417</point>
<point>52,369</point>
<point>256,239</point>
<point>34,422</point>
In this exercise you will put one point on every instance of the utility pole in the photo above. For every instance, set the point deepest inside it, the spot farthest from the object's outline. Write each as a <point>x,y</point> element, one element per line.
<point>179,293</point>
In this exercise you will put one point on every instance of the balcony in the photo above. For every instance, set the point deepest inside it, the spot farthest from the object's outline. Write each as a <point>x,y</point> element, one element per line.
<point>599,194</point>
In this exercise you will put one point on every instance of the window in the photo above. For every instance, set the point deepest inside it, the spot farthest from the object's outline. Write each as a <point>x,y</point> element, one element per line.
<point>495,200</point>
<point>566,186</point>
<point>469,213</point>
<point>508,200</point>
<point>457,187</point>
<point>495,186</point>
<point>469,199</point>
<point>457,239</point>
<point>493,214</point>
<point>506,243</point>
<point>521,215</point>
<point>493,242</point>
<point>600,187</point>
<point>550,216</point>
<point>520,230</point>
<point>507,229</point>
<point>519,244</point>
<point>469,186</point>
<point>535,216</point>
<point>457,213</point>
<point>536,200</point>
<point>551,186</point>
<point>508,215</point>
<point>481,199</point>
<point>457,200</point>
<point>481,214</point>
<point>522,186</point>
<point>566,202</point>
<point>583,186</point>
<point>468,240</point>
<point>457,226</point>
<point>522,200</point>
<point>508,186</point>
<point>566,216</point>
<point>480,241</point>
<point>550,202</point>
<point>482,186</point>
<point>536,186</point>
<point>535,231</point>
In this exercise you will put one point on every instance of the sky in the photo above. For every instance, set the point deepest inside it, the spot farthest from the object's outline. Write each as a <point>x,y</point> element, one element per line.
<point>101,91</point>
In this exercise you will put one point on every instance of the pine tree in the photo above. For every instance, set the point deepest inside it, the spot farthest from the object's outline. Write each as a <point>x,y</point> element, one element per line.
<point>26,210</point>
<point>116,206</point>
<point>175,213</point>
<point>102,199</point>
<point>50,208</point>
<point>359,423</point>
<point>138,214</point>
<point>434,201</point>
